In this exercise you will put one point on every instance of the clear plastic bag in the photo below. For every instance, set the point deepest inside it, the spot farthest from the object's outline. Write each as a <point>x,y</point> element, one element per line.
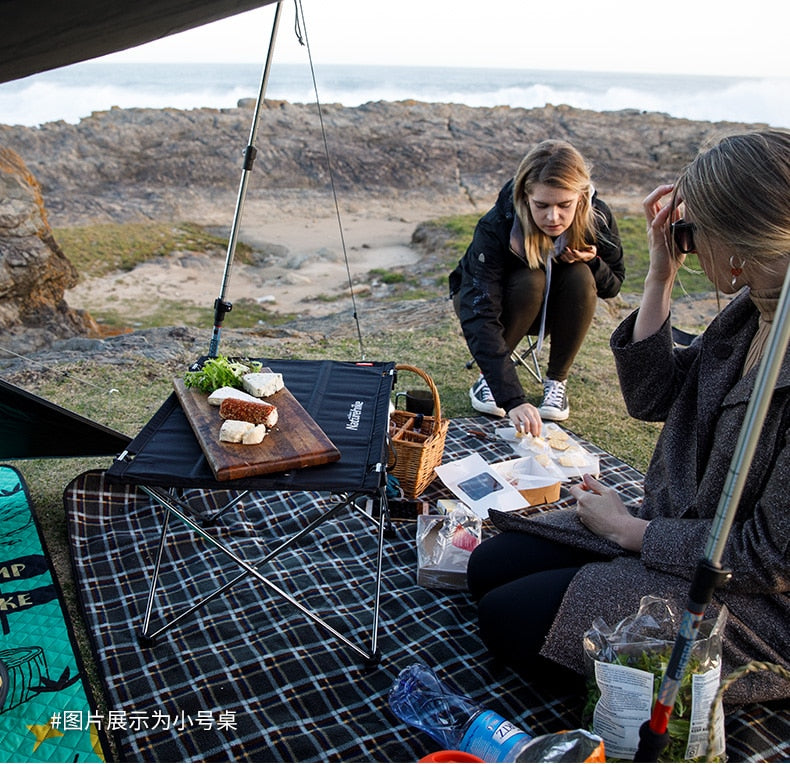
<point>625,666</point>
<point>444,543</point>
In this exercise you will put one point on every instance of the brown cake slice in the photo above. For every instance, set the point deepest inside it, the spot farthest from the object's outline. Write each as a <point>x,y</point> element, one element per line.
<point>258,412</point>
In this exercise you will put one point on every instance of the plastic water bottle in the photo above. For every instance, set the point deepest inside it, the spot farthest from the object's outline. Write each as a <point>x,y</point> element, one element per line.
<point>454,721</point>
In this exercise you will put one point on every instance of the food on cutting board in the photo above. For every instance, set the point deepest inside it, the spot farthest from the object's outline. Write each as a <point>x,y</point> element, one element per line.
<point>219,372</point>
<point>250,417</point>
<point>234,430</point>
<point>262,384</point>
<point>257,411</point>
<point>237,388</point>
<point>219,395</point>
<point>255,435</point>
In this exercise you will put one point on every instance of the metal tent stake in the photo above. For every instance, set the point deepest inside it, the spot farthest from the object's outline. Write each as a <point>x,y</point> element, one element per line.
<point>221,306</point>
<point>709,574</point>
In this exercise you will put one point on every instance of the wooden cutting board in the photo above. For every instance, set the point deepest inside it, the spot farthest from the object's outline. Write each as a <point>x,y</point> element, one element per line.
<point>296,440</point>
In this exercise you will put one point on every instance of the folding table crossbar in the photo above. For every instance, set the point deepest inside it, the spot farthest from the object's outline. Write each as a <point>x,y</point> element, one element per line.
<point>349,401</point>
<point>173,506</point>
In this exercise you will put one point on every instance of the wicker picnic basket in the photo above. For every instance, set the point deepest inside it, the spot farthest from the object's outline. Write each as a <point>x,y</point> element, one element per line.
<point>416,442</point>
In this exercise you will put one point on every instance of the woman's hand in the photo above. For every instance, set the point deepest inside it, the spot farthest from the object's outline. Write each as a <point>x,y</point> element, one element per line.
<point>601,510</point>
<point>657,293</point>
<point>663,264</point>
<point>526,419</point>
<point>569,255</point>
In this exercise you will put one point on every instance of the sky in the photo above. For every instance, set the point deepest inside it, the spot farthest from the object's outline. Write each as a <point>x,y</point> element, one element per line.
<point>692,37</point>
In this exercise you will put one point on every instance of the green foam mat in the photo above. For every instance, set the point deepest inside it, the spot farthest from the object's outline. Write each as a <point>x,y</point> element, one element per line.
<point>46,712</point>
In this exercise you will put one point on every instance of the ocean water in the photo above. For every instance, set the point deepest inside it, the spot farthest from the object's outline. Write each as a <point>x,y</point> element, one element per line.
<point>73,92</point>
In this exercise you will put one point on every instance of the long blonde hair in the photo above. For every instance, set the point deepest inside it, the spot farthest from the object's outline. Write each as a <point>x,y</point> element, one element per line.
<point>559,164</point>
<point>738,190</point>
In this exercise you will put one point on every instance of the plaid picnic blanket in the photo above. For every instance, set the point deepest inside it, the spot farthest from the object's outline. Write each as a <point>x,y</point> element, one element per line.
<point>249,678</point>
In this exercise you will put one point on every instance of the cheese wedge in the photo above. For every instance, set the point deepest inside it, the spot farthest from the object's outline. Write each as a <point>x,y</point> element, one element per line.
<point>221,393</point>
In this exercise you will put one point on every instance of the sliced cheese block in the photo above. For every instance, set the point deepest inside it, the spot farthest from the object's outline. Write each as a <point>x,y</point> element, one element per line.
<point>255,435</point>
<point>262,383</point>
<point>220,394</point>
<point>234,430</point>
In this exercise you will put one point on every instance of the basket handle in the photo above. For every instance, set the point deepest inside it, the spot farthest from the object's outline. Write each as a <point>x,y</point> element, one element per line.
<point>437,407</point>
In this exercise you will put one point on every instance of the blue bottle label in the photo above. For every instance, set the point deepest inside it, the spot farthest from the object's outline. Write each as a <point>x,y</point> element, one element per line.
<point>492,738</point>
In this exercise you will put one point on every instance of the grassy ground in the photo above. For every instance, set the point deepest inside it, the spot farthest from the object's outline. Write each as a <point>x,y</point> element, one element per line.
<point>598,413</point>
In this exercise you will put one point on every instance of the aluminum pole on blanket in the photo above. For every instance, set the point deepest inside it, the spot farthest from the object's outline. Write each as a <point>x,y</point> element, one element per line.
<point>653,736</point>
<point>221,306</point>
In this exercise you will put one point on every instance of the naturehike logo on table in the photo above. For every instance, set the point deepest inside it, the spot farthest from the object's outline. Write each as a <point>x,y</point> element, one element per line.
<point>354,415</point>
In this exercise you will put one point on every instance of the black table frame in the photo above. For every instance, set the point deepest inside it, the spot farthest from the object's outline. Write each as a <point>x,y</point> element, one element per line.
<point>326,391</point>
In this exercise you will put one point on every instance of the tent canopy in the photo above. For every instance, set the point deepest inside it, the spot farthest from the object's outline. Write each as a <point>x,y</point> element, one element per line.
<point>32,427</point>
<point>39,35</point>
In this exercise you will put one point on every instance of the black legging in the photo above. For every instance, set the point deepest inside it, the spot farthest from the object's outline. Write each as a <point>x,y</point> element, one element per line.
<point>569,314</point>
<point>518,581</point>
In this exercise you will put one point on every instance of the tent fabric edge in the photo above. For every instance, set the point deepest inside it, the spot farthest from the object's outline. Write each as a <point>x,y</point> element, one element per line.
<point>49,34</point>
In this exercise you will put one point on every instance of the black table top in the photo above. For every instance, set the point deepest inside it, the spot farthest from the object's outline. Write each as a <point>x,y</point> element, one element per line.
<point>348,400</point>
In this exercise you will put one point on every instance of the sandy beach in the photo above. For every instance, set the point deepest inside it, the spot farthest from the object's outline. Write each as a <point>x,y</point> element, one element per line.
<point>302,270</point>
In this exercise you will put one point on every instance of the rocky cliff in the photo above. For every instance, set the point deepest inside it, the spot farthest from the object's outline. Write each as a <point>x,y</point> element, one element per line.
<point>168,164</point>
<point>139,164</point>
<point>34,272</point>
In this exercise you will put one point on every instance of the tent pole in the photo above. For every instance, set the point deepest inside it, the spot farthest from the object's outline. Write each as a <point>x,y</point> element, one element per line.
<point>221,306</point>
<point>653,736</point>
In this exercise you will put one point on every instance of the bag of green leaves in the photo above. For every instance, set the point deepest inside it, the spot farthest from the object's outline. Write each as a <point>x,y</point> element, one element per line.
<point>625,666</point>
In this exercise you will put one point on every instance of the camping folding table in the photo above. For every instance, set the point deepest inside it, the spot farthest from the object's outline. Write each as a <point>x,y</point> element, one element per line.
<point>350,403</point>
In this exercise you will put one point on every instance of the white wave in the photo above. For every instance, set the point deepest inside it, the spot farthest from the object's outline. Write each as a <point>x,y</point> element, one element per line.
<point>748,101</point>
<point>70,97</point>
<point>766,100</point>
<point>44,102</point>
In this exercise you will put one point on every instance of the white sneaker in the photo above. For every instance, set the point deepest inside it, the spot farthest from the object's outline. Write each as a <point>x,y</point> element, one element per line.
<point>482,399</point>
<point>555,406</point>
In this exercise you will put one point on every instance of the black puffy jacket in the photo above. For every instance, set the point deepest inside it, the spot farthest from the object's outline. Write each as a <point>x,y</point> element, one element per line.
<point>480,283</point>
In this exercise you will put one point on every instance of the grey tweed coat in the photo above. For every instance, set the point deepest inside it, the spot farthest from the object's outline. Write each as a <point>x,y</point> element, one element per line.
<point>700,395</point>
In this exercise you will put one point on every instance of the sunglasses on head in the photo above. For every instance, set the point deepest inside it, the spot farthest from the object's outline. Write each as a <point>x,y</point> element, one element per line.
<point>683,234</point>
